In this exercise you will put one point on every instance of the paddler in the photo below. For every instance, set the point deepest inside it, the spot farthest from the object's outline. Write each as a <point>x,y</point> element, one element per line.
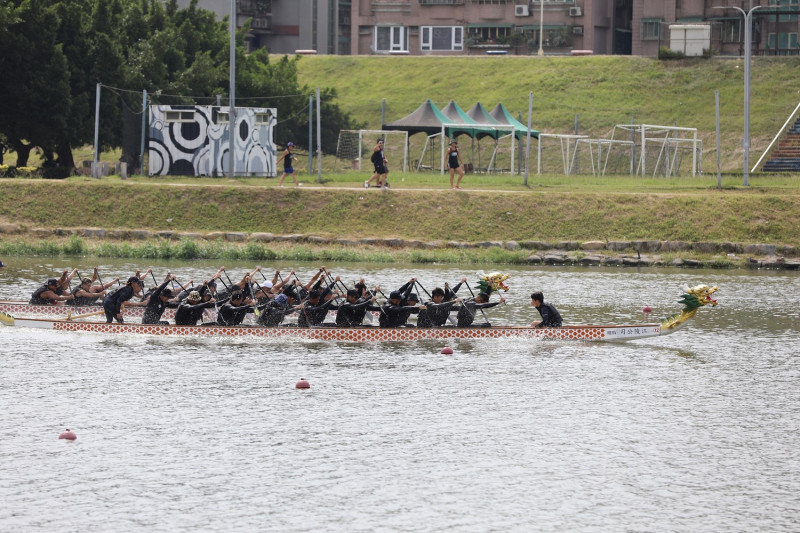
<point>49,294</point>
<point>466,314</point>
<point>158,301</point>
<point>551,318</point>
<point>112,303</point>
<point>190,311</point>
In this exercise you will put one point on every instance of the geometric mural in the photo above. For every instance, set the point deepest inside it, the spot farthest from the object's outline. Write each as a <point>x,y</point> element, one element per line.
<point>186,140</point>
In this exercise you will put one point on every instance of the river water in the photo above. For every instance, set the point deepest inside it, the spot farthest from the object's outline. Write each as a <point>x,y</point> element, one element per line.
<point>694,431</point>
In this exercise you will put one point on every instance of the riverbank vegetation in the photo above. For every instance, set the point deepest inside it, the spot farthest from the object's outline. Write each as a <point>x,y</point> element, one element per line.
<point>547,209</point>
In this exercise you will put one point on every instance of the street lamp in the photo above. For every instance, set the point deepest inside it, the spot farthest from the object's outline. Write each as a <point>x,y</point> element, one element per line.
<point>748,45</point>
<point>541,27</point>
<point>232,113</point>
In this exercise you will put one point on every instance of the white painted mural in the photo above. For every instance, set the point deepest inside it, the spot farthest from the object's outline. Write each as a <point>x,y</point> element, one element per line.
<point>193,141</point>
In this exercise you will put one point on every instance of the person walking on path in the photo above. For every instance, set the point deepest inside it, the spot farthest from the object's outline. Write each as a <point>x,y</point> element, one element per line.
<point>287,158</point>
<point>455,163</point>
<point>379,161</point>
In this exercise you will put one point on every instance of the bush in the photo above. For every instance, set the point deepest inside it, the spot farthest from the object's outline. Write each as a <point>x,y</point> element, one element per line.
<point>666,54</point>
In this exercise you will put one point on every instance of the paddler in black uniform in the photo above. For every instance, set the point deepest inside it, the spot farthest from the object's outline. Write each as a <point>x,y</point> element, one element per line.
<point>466,314</point>
<point>313,311</point>
<point>87,294</point>
<point>158,301</point>
<point>49,294</point>
<point>112,303</point>
<point>274,311</point>
<point>393,313</point>
<point>232,312</point>
<point>551,318</point>
<point>352,311</point>
<point>190,311</point>
<point>436,310</point>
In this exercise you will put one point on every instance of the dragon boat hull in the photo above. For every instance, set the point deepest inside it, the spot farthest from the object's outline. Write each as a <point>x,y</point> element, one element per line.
<point>25,309</point>
<point>356,334</point>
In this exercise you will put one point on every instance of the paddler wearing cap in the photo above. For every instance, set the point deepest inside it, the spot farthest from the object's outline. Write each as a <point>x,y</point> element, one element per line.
<point>49,294</point>
<point>158,301</point>
<point>190,310</point>
<point>112,303</point>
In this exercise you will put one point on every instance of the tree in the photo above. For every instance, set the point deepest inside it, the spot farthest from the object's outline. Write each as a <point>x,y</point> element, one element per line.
<point>35,80</point>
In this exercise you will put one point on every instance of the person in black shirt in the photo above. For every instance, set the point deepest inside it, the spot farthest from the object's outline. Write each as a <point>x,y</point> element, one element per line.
<point>393,313</point>
<point>353,310</point>
<point>466,314</point>
<point>314,310</point>
<point>455,164</point>
<point>232,312</point>
<point>158,301</point>
<point>190,311</point>
<point>436,310</point>
<point>274,311</point>
<point>551,318</point>
<point>112,303</point>
<point>49,294</point>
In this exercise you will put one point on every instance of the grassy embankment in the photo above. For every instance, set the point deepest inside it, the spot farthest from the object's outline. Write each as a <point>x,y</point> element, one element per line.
<point>553,210</point>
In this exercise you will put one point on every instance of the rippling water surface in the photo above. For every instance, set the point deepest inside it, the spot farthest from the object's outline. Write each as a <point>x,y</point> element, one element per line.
<point>694,431</point>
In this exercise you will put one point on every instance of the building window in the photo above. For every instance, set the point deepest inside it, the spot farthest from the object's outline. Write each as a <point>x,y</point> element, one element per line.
<point>732,30</point>
<point>180,116</point>
<point>783,43</point>
<point>784,5</point>
<point>391,39</point>
<point>442,38</point>
<point>223,117</point>
<point>489,33</point>
<point>262,118</point>
<point>651,29</point>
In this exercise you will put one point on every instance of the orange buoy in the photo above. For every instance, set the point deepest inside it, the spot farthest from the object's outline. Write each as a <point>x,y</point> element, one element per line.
<point>302,384</point>
<point>647,310</point>
<point>447,350</point>
<point>68,435</point>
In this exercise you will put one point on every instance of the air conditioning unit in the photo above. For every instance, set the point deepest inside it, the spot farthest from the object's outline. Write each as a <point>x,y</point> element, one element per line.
<point>575,11</point>
<point>577,30</point>
<point>522,11</point>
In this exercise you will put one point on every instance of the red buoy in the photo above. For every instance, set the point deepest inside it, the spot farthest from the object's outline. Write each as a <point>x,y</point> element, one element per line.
<point>68,435</point>
<point>447,350</point>
<point>647,310</point>
<point>302,384</point>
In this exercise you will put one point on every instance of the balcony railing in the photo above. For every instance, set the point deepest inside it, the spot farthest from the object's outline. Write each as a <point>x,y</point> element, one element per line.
<point>442,2</point>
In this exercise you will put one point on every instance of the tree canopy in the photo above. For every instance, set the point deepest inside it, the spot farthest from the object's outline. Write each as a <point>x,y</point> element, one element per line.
<point>53,53</point>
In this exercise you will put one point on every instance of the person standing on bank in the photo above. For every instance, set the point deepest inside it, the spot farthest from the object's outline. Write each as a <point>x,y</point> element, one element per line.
<point>287,158</point>
<point>379,161</point>
<point>455,163</point>
<point>551,318</point>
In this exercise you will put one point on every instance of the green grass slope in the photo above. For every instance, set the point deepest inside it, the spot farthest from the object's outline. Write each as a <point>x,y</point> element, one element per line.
<point>602,91</point>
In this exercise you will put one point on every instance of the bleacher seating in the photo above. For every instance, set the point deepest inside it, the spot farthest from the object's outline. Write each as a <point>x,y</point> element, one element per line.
<point>786,157</point>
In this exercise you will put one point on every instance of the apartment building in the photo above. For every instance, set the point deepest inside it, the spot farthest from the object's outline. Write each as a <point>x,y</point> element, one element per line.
<point>514,27</point>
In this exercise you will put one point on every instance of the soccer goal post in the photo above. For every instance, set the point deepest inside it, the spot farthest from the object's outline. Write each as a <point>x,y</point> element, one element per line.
<point>355,146</point>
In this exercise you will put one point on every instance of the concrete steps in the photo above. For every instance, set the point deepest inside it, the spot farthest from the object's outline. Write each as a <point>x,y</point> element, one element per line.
<point>786,157</point>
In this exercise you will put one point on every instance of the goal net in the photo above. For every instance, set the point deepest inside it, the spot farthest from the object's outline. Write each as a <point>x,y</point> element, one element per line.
<point>354,149</point>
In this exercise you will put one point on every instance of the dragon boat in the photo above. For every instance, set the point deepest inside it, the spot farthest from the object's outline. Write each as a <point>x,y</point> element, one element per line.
<point>692,300</point>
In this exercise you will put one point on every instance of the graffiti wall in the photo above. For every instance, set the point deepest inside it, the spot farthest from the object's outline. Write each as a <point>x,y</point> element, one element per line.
<point>193,141</point>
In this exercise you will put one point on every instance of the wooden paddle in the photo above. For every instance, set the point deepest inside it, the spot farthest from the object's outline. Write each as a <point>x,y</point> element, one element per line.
<point>70,316</point>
